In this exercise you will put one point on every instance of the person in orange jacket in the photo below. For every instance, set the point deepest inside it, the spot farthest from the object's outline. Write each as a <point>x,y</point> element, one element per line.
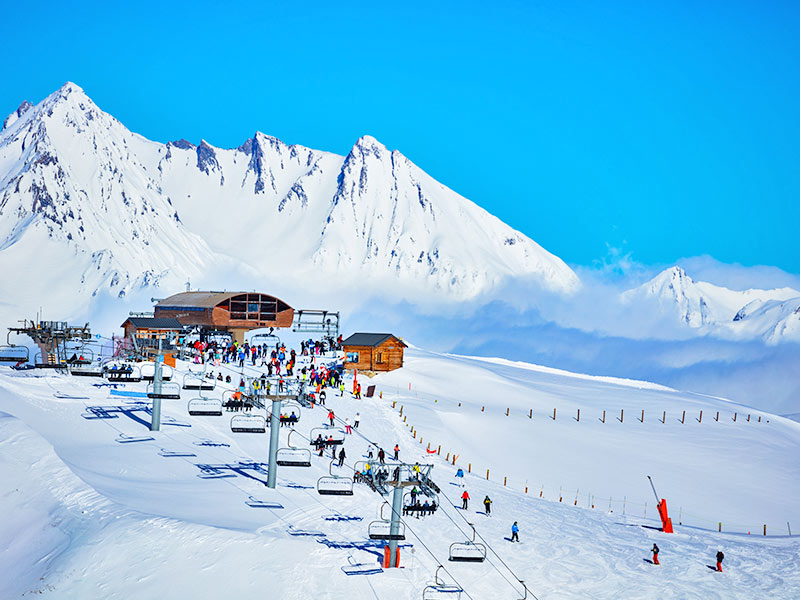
<point>465,500</point>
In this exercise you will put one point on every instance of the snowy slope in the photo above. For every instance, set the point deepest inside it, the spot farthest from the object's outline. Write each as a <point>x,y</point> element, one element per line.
<point>769,314</point>
<point>122,212</point>
<point>135,524</point>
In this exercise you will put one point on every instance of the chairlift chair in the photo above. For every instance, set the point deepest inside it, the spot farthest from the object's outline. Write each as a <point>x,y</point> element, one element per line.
<point>269,339</point>
<point>248,424</point>
<point>148,371</point>
<point>205,407</point>
<point>439,589</point>
<point>38,362</point>
<point>198,381</point>
<point>469,551</point>
<point>334,485</point>
<point>293,457</point>
<point>13,353</point>
<point>127,374</point>
<point>337,433</point>
<point>287,408</point>
<point>381,530</point>
<point>169,391</point>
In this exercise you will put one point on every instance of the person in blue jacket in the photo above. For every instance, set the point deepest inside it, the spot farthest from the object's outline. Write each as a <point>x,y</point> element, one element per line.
<point>515,532</point>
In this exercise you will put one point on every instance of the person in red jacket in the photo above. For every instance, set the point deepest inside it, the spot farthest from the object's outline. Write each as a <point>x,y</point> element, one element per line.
<point>465,500</point>
<point>331,416</point>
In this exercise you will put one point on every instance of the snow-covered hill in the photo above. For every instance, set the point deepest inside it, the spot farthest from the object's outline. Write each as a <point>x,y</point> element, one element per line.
<point>88,515</point>
<point>773,315</point>
<point>117,212</point>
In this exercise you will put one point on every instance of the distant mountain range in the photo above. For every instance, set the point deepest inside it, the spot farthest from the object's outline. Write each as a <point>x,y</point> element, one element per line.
<point>89,209</point>
<point>773,315</point>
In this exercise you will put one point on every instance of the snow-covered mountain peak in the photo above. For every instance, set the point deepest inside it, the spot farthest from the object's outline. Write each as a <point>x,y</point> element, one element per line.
<point>700,304</point>
<point>131,210</point>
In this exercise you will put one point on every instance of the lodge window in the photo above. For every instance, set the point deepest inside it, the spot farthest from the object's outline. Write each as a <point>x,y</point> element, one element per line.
<point>352,357</point>
<point>380,357</point>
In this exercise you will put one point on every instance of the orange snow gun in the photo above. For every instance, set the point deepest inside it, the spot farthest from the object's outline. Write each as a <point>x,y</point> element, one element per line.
<point>666,522</point>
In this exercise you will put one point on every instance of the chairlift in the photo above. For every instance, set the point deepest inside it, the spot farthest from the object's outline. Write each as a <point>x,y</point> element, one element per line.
<point>468,551</point>
<point>333,485</point>
<point>148,370</point>
<point>248,424</point>
<point>337,433</point>
<point>198,381</point>
<point>293,457</point>
<point>354,568</point>
<point>440,589</point>
<point>287,408</point>
<point>205,407</point>
<point>127,373</point>
<point>38,362</point>
<point>270,339</point>
<point>169,391</point>
<point>13,353</point>
<point>382,530</point>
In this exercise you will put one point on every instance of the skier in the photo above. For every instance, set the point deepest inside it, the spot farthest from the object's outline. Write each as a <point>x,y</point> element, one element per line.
<point>358,418</point>
<point>414,493</point>
<point>460,477</point>
<point>331,417</point>
<point>465,500</point>
<point>381,455</point>
<point>720,557</point>
<point>322,396</point>
<point>347,428</point>
<point>655,554</point>
<point>487,504</point>
<point>342,456</point>
<point>515,532</point>
<point>396,452</point>
<point>369,453</point>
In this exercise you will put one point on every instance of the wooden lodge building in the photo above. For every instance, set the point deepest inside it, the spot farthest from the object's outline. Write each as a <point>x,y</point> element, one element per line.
<point>373,352</point>
<point>234,312</point>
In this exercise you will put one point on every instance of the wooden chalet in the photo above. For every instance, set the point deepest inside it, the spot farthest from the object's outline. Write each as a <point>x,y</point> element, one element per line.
<point>234,312</point>
<point>373,352</point>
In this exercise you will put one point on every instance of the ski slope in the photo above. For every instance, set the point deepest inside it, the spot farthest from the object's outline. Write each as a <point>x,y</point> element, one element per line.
<point>95,518</point>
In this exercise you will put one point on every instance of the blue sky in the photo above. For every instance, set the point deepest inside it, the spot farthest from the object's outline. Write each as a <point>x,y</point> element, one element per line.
<point>658,130</point>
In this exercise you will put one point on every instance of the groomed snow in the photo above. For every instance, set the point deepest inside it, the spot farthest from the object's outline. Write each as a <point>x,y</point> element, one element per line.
<point>94,518</point>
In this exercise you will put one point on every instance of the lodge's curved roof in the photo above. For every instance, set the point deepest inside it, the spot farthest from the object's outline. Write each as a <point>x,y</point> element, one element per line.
<point>206,299</point>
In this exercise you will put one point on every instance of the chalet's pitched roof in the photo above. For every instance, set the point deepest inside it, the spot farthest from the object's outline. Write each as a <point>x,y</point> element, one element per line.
<point>370,339</point>
<point>154,323</point>
<point>198,299</point>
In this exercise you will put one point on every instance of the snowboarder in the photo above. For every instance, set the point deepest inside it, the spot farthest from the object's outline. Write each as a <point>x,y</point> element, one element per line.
<point>720,557</point>
<point>515,532</point>
<point>460,477</point>
<point>358,418</point>
<point>655,554</point>
<point>487,504</point>
<point>465,500</point>
<point>396,452</point>
<point>342,456</point>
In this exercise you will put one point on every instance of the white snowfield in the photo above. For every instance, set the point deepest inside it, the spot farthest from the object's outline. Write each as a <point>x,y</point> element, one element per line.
<point>90,517</point>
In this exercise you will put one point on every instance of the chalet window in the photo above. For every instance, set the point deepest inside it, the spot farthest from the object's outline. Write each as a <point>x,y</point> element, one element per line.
<point>380,357</point>
<point>352,357</point>
<point>252,307</point>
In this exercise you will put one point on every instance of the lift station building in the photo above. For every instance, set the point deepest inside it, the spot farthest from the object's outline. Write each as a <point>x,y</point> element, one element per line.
<point>234,312</point>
